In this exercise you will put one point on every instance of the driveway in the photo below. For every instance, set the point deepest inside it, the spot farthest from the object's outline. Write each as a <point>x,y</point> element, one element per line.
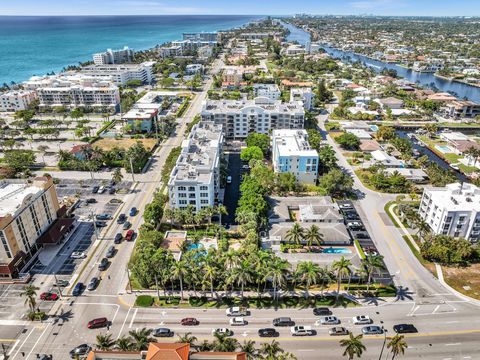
<point>232,190</point>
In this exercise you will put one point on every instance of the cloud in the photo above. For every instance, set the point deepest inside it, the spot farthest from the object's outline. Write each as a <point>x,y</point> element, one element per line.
<point>159,7</point>
<point>376,4</point>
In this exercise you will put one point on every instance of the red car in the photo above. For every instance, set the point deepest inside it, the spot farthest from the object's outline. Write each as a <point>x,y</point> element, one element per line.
<point>129,235</point>
<point>98,323</point>
<point>48,296</point>
<point>190,321</point>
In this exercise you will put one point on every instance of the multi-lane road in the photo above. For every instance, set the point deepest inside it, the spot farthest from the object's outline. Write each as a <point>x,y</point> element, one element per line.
<point>449,327</point>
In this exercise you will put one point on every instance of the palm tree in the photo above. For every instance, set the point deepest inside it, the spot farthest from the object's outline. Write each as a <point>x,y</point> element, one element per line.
<point>179,271</point>
<point>372,263</point>
<point>341,267</point>
<point>295,234</point>
<point>307,272</point>
<point>353,346</point>
<point>325,275</point>
<point>187,338</point>
<point>248,347</point>
<point>422,228</point>
<point>210,272</point>
<point>105,342</point>
<point>242,275</point>
<point>43,149</point>
<point>431,129</point>
<point>30,294</point>
<point>277,272</point>
<point>117,176</point>
<point>271,350</point>
<point>313,235</point>
<point>244,217</point>
<point>397,344</point>
<point>141,338</point>
<point>220,210</point>
<point>124,343</point>
<point>223,343</point>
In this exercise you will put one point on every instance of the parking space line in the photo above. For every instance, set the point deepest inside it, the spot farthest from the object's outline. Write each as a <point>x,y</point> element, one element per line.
<point>133,317</point>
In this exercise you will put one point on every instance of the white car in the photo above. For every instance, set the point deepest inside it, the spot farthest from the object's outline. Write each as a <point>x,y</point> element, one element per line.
<point>301,330</point>
<point>354,224</point>
<point>222,331</point>
<point>328,320</point>
<point>78,255</point>
<point>238,321</point>
<point>362,319</point>
<point>236,311</point>
<point>346,206</point>
<point>229,179</point>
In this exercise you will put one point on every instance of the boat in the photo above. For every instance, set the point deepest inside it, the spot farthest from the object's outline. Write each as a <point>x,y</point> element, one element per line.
<point>454,166</point>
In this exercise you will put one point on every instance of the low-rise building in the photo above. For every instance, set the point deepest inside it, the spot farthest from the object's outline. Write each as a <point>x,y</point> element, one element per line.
<point>461,109</point>
<point>195,179</point>
<point>391,103</point>
<point>388,161</point>
<point>121,74</point>
<point>27,214</point>
<point>304,94</point>
<point>453,210</point>
<point>16,100</point>
<point>193,69</point>
<point>110,56</point>
<point>294,49</point>
<point>241,117</point>
<point>169,51</point>
<point>270,91</point>
<point>205,52</point>
<point>291,152</point>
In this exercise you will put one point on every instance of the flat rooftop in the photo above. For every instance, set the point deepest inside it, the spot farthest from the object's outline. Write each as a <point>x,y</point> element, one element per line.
<point>456,196</point>
<point>292,142</point>
<point>13,195</point>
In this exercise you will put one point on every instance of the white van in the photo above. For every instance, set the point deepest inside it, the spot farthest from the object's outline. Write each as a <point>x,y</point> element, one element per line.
<point>302,331</point>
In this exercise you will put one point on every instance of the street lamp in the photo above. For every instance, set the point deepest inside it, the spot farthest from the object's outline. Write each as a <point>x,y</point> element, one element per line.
<point>384,341</point>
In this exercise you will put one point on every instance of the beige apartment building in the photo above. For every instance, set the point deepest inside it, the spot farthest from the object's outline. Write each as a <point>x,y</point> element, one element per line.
<point>28,220</point>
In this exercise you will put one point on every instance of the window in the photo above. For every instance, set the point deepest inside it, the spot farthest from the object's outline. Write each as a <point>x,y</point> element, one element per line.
<point>203,187</point>
<point>182,188</point>
<point>461,218</point>
<point>47,208</point>
<point>23,233</point>
<point>192,202</point>
<point>191,188</point>
<point>203,194</point>
<point>182,195</point>
<point>182,202</point>
<point>5,244</point>
<point>203,201</point>
<point>35,220</point>
<point>191,195</point>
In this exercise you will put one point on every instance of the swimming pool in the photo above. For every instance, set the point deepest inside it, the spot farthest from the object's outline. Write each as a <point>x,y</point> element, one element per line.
<point>337,251</point>
<point>444,148</point>
<point>374,128</point>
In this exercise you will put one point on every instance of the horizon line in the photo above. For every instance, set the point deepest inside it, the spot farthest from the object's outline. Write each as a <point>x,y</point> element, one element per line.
<point>276,15</point>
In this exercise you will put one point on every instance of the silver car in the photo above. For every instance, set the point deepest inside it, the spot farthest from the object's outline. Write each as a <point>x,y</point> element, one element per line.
<point>372,330</point>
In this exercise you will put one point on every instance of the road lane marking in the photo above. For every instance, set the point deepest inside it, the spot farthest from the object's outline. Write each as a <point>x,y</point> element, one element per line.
<point>23,343</point>
<point>124,321</point>
<point>133,318</point>
<point>36,342</point>
<point>434,311</point>
<point>453,344</point>
<point>13,347</point>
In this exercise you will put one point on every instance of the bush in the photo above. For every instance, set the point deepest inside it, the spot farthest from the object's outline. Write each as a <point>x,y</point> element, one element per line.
<point>144,301</point>
<point>348,141</point>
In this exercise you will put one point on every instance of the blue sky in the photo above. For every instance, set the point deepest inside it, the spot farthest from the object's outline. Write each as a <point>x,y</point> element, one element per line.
<point>273,7</point>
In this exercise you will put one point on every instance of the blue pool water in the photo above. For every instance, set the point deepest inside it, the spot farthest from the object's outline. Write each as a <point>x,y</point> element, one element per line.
<point>443,148</point>
<point>374,128</point>
<point>337,251</point>
<point>194,247</point>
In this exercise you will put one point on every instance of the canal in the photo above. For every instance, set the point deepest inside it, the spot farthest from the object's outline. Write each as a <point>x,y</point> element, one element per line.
<point>424,79</point>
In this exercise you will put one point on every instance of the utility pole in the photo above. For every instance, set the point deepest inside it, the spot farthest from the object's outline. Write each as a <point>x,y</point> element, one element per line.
<point>131,169</point>
<point>384,341</point>
<point>94,225</point>
<point>156,285</point>
<point>58,286</point>
<point>129,280</point>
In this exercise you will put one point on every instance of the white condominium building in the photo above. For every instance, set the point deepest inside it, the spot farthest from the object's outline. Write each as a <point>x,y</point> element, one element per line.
<point>242,117</point>
<point>16,100</point>
<point>121,74</point>
<point>302,94</point>
<point>201,36</point>
<point>453,210</point>
<point>192,45</point>
<point>195,179</point>
<point>292,153</point>
<point>270,91</point>
<point>110,56</point>
<point>75,90</point>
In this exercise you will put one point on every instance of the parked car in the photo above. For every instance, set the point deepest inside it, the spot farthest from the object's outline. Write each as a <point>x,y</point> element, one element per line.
<point>78,289</point>
<point>91,201</point>
<point>48,296</point>
<point>103,264</point>
<point>162,332</point>
<point>129,235</point>
<point>133,211</point>
<point>354,224</point>
<point>372,330</point>
<point>118,238</point>
<point>362,319</point>
<point>346,206</point>
<point>103,217</point>
<point>78,255</point>
<point>189,322</point>
<point>111,252</point>
<point>112,190</point>
<point>92,285</point>
<point>322,311</point>
<point>238,321</point>
<point>237,311</point>
<point>95,189</point>
<point>101,189</point>
<point>328,320</point>
<point>222,331</point>
<point>80,350</point>
<point>362,235</point>
<point>229,179</point>
<point>338,330</point>
<point>98,323</point>
<point>283,321</point>
<point>126,225</point>
<point>267,332</point>
<point>61,283</point>
<point>121,218</point>
<point>302,331</point>
<point>100,223</point>
<point>404,328</point>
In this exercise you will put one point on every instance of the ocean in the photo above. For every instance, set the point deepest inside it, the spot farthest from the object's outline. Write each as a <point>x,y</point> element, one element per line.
<point>38,45</point>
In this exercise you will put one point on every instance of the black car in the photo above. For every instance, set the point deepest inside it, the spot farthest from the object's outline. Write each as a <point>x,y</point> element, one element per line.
<point>95,189</point>
<point>103,264</point>
<point>111,252</point>
<point>404,328</point>
<point>78,289</point>
<point>267,332</point>
<point>162,332</point>
<point>111,191</point>
<point>100,223</point>
<point>118,238</point>
<point>361,235</point>
<point>283,321</point>
<point>103,217</point>
<point>92,285</point>
<point>80,350</point>
<point>121,218</point>
<point>91,201</point>
<point>322,311</point>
